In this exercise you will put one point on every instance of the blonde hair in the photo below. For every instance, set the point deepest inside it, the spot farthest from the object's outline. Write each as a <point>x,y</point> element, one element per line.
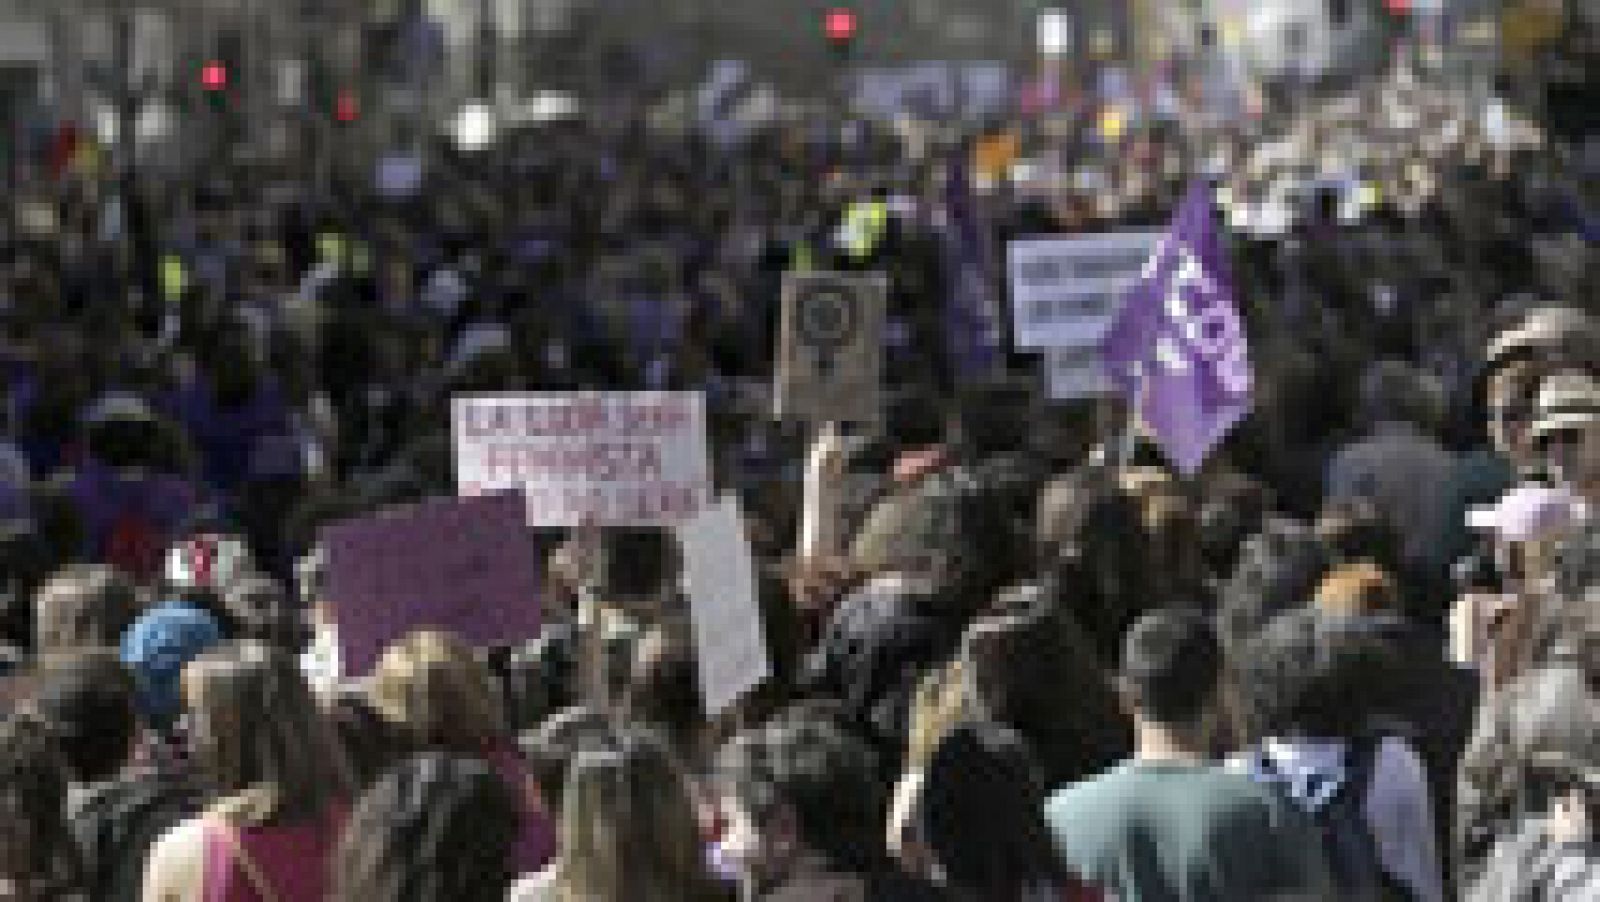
<point>942,700</point>
<point>628,828</point>
<point>432,685</point>
<point>1356,589</point>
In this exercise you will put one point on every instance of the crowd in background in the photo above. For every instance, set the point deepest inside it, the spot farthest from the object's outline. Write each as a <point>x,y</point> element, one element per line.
<point>1353,658</point>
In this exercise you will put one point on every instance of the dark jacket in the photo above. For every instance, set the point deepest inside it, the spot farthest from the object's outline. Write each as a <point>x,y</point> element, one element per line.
<point>878,644</point>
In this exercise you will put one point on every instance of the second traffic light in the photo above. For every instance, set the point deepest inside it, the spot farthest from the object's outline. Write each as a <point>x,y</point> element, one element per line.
<point>840,26</point>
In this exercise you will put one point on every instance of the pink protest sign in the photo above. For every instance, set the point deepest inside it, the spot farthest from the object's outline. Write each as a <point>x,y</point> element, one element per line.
<point>464,565</point>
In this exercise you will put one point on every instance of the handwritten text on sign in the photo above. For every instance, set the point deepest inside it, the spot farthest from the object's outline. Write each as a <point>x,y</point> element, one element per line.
<point>613,458</point>
<point>1065,292</point>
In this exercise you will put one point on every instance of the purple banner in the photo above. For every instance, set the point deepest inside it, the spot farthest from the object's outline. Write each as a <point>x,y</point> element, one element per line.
<point>462,565</point>
<point>972,311</point>
<point>1178,347</point>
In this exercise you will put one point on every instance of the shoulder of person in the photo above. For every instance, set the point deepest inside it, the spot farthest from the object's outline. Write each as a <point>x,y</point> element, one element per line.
<point>538,887</point>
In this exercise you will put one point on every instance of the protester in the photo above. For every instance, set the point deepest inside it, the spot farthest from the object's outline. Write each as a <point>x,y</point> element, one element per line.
<point>981,813</point>
<point>82,607</point>
<point>276,784</point>
<point>1554,855</point>
<point>117,805</point>
<point>806,806</point>
<point>1547,709</point>
<point>1305,687</point>
<point>38,858</point>
<point>157,647</point>
<point>1169,822</point>
<point>434,827</point>
<point>628,831</point>
<point>433,689</point>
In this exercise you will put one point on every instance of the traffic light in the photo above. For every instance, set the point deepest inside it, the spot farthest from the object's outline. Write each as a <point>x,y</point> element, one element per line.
<point>214,76</point>
<point>839,26</point>
<point>346,107</point>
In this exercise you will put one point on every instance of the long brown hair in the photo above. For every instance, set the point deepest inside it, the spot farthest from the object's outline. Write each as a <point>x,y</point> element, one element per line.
<point>628,829</point>
<point>265,748</point>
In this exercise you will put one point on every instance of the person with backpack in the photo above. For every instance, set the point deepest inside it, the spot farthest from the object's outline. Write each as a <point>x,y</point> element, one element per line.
<point>1170,823</point>
<point>1367,794</point>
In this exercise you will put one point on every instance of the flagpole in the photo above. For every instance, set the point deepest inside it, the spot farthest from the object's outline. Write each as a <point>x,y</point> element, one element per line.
<point>1130,432</point>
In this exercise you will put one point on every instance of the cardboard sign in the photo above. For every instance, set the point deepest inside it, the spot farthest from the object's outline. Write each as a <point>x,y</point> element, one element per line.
<point>607,458</point>
<point>1074,373</point>
<point>1065,292</point>
<point>464,565</point>
<point>720,577</point>
<point>830,352</point>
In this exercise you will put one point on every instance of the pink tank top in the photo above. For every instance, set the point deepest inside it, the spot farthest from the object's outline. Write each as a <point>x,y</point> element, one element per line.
<point>294,860</point>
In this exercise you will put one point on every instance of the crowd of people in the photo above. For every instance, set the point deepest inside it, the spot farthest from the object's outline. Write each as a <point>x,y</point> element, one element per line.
<point>1015,658</point>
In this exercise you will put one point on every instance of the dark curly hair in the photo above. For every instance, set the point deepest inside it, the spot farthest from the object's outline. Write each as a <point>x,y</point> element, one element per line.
<point>436,827</point>
<point>824,777</point>
<point>1300,678</point>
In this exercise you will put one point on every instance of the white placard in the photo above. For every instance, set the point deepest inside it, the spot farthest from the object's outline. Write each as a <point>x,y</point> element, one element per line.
<point>720,577</point>
<point>1065,292</point>
<point>610,458</point>
<point>1073,373</point>
<point>1055,32</point>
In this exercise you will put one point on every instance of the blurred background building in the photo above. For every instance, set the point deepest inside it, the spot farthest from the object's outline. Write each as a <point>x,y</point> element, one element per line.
<point>141,74</point>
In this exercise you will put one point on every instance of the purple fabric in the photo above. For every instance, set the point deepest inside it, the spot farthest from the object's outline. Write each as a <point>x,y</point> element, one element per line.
<point>103,496</point>
<point>1178,346</point>
<point>972,310</point>
<point>227,436</point>
<point>536,844</point>
<point>294,859</point>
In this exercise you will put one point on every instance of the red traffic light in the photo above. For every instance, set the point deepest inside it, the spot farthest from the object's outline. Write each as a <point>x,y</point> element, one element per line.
<point>839,25</point>
<point>1398,7</point>
<point>346,108</point>
<point>214,76</point>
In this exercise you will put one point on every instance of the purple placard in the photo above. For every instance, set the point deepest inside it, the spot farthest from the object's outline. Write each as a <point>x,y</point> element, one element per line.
<point>463,565</point>
<point>1178,347</point>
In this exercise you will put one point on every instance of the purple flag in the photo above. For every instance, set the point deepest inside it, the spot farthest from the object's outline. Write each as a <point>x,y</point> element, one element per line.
<point>1178,345</point>
<point>972,327</point>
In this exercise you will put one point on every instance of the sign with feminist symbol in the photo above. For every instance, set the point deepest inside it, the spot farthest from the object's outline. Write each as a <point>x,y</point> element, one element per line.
<point>830,353</point>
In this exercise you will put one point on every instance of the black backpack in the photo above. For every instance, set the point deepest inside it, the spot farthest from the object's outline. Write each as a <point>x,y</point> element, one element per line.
<point>1358,871</point>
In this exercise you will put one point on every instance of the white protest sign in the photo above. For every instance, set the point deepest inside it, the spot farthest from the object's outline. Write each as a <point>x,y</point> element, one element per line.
<point>1065,292</point>
<point>1073,373</point>
<point>610,458</point>
<point>720,576</point>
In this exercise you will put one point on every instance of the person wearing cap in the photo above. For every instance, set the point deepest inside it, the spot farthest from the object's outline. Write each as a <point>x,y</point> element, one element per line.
<point>1491,630</point>
<point>1566,430</point>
